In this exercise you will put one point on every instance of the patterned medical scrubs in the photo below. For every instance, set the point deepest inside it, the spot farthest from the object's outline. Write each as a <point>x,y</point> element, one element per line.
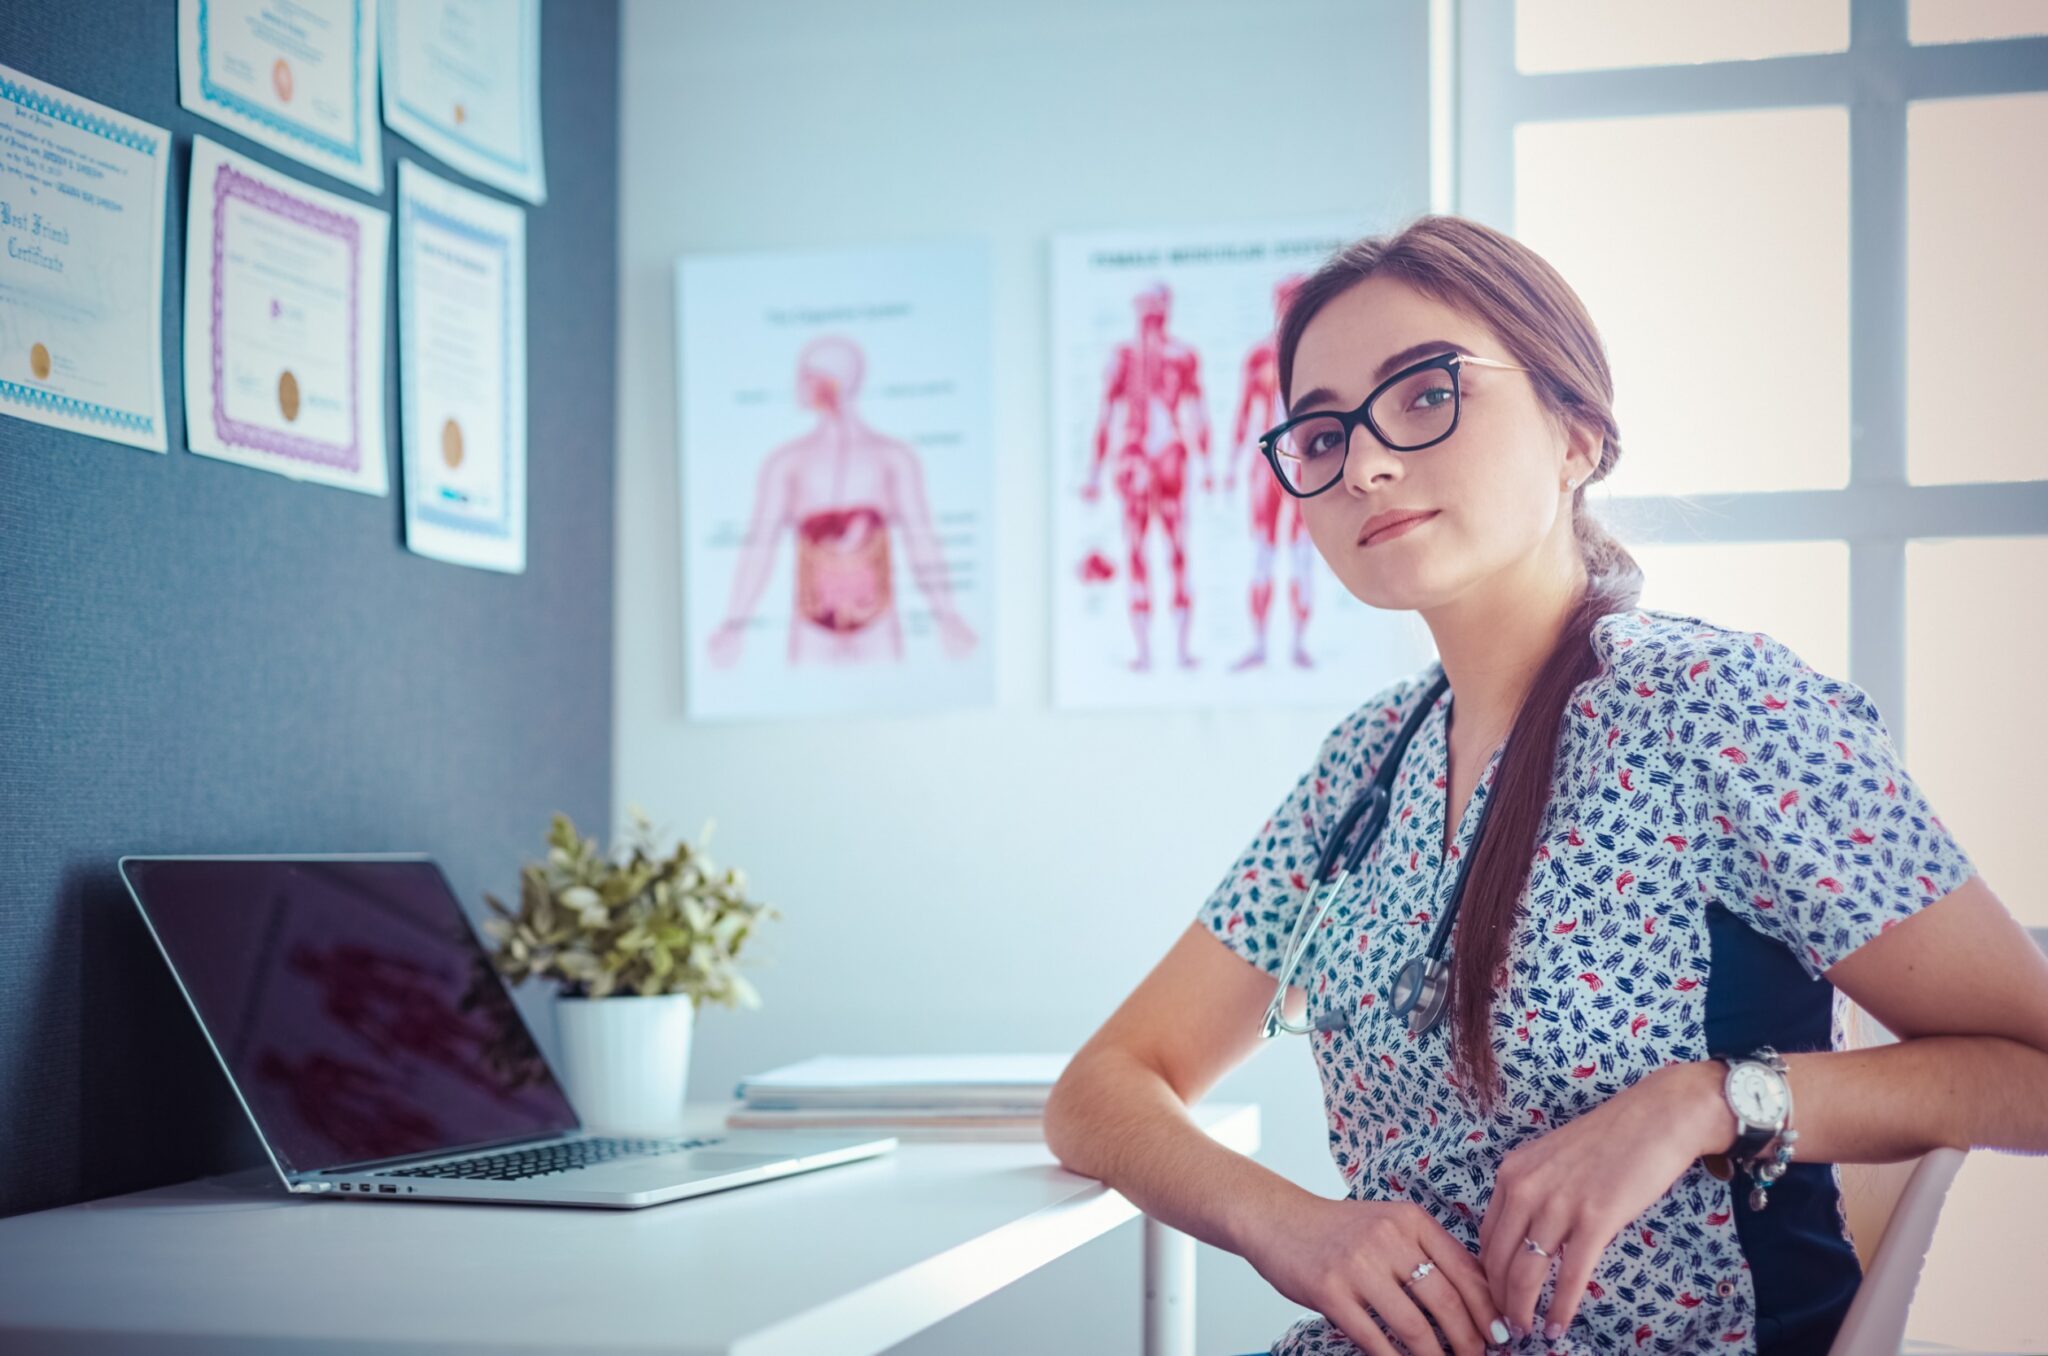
<point>1724,824</point>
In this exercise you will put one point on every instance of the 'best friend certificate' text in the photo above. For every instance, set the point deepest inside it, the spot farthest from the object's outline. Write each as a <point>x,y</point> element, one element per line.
<point>81,264</point>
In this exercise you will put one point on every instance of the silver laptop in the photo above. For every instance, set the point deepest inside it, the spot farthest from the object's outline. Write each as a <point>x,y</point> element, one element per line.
<point>380,1057</point>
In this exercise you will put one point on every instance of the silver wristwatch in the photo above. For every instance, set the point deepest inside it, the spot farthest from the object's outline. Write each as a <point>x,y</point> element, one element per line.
<point>1760,1095</point>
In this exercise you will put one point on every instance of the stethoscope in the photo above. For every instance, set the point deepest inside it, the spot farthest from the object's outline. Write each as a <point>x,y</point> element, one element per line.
<point>1421,986</point>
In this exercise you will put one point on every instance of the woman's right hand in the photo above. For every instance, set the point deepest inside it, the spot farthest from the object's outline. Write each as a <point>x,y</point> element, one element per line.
<point>1347,1260</point>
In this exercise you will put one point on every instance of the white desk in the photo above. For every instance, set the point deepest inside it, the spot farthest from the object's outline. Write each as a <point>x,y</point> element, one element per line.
<point>849,1259</point>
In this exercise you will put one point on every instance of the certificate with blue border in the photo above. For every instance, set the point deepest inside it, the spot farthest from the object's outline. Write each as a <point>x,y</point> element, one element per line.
<point>462,372</point>
<point>462,82</point>
<point>298,76</point>
<point>81,264</point>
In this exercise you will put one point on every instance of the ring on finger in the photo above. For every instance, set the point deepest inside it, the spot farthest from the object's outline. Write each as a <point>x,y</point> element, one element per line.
<point>1535,1247</point>
<point>1422,1269</point>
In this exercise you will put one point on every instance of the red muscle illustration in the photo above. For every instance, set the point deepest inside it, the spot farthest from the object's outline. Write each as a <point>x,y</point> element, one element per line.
<point>1275,514</point>
<point>1151,412</point>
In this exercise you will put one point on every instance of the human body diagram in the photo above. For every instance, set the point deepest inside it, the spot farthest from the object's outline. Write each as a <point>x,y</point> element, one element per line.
<point>1275,516</point>
<point>845,491</point>
<point>1151,414</point>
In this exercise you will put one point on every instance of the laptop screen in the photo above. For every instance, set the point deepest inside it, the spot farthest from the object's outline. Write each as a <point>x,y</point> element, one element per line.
<point>356,1012</point>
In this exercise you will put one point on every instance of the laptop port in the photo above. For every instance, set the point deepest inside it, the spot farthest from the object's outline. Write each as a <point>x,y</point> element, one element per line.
<point>388,1190</point>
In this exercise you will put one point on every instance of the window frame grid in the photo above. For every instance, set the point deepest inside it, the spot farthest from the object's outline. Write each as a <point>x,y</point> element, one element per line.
<point>1877,78</point>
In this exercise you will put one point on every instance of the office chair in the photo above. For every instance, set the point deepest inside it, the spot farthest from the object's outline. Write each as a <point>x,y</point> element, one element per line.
<point>1892,1210</point>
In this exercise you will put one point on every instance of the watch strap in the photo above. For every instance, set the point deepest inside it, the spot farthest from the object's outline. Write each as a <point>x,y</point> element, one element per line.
<point>1749,1142</point>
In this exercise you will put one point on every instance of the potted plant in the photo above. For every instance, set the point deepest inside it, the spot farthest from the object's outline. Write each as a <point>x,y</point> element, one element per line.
<point>636,943</point>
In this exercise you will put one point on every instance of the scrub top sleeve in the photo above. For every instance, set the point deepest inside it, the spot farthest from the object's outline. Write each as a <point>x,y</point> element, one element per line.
<point>1813,832</point>
<point>1254,907</point>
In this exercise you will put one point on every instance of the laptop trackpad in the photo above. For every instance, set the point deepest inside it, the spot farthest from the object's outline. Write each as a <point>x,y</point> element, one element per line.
<point>656,1171</point>
<point>724,1160</point>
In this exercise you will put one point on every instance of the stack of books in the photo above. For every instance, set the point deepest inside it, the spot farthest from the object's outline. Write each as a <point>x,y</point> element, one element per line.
<point>998,1097</point>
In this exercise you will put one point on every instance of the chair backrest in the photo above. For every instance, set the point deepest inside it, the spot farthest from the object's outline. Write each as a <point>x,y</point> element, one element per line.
<point>1876,1322</point>
<point>1870,1192</point>
<point>1892,1210</point>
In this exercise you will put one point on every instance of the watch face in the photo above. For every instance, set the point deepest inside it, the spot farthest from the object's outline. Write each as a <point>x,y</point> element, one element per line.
<point>1758,1097</point>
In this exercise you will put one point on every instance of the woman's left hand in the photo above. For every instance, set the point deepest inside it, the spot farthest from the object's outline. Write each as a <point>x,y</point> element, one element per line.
<point>1573,1189</point>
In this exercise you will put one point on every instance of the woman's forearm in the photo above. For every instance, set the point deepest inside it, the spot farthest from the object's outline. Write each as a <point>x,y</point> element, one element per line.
<point>1116,1120</point>
<point>1892,1102</point>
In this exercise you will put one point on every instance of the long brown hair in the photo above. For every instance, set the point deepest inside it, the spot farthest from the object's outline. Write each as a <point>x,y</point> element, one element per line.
<point>1495,279</point>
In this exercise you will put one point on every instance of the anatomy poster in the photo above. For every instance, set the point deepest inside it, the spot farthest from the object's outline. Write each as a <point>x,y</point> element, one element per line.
<point>836,481</point>
<point>1183,574</point>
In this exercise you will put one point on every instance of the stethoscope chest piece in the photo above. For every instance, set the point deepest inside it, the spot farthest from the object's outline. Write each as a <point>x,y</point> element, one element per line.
<point>1419,991</point>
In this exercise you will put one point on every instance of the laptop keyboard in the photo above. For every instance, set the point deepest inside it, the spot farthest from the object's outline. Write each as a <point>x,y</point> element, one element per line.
<point>516,1165</point>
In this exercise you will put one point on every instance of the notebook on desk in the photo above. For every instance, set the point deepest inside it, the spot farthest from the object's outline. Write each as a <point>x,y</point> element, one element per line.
<point>922,1097</point>
<point>378,1054</point>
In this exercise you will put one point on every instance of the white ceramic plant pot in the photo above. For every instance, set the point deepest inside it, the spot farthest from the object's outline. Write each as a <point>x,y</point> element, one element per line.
<point>626,1060</point>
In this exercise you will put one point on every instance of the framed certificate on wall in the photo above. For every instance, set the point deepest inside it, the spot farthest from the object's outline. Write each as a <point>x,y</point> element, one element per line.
<point>284,325</point>
<point>462,82</point>
<point>298,76</point>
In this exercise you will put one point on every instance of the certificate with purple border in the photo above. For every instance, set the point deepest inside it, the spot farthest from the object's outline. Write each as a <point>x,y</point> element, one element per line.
<point>284,324</point>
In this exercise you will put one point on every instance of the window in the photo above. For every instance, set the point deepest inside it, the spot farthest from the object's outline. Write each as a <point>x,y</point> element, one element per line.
<point>1580,35</point>
<point>1976,289</point>
<point>1973,625</point>
<point>1690,236</point>
<point>1974,20</point>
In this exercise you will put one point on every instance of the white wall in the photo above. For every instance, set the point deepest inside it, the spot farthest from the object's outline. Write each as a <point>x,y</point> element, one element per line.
<point>991,880</point>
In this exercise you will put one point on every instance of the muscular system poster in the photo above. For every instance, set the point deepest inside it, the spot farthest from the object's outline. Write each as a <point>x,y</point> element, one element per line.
<point>1182,574</point>
<point>836,481</point>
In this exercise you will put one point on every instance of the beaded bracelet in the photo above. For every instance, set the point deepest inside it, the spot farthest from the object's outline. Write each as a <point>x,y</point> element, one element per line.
<point>1762,1174</point>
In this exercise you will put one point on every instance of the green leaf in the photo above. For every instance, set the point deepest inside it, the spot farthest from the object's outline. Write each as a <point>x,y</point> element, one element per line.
<point>635,920</point>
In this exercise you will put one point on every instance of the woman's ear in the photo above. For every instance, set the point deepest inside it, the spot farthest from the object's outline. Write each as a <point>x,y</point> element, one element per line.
<point>1582,448</point>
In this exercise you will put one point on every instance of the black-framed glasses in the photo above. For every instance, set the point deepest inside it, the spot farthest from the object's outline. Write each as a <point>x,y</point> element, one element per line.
<point>1415,408</point>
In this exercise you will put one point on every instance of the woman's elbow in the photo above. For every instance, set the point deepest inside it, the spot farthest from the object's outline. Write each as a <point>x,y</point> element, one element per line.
<point>1062,1131</point>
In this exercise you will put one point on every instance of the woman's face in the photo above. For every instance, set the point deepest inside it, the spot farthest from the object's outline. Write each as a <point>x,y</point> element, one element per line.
<point>1494,489</point>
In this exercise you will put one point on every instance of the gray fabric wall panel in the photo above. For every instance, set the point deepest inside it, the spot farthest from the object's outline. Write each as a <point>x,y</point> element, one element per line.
<point>200,657</point>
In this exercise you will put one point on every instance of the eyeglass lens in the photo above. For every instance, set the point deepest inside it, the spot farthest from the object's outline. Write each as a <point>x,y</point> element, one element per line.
<point>1414,411</point>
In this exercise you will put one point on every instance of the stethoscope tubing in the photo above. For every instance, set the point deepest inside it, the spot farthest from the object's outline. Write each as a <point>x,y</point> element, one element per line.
<point>1423,976</point>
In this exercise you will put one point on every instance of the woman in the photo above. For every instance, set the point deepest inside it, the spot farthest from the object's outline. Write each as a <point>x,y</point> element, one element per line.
<point>1690,841</point>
